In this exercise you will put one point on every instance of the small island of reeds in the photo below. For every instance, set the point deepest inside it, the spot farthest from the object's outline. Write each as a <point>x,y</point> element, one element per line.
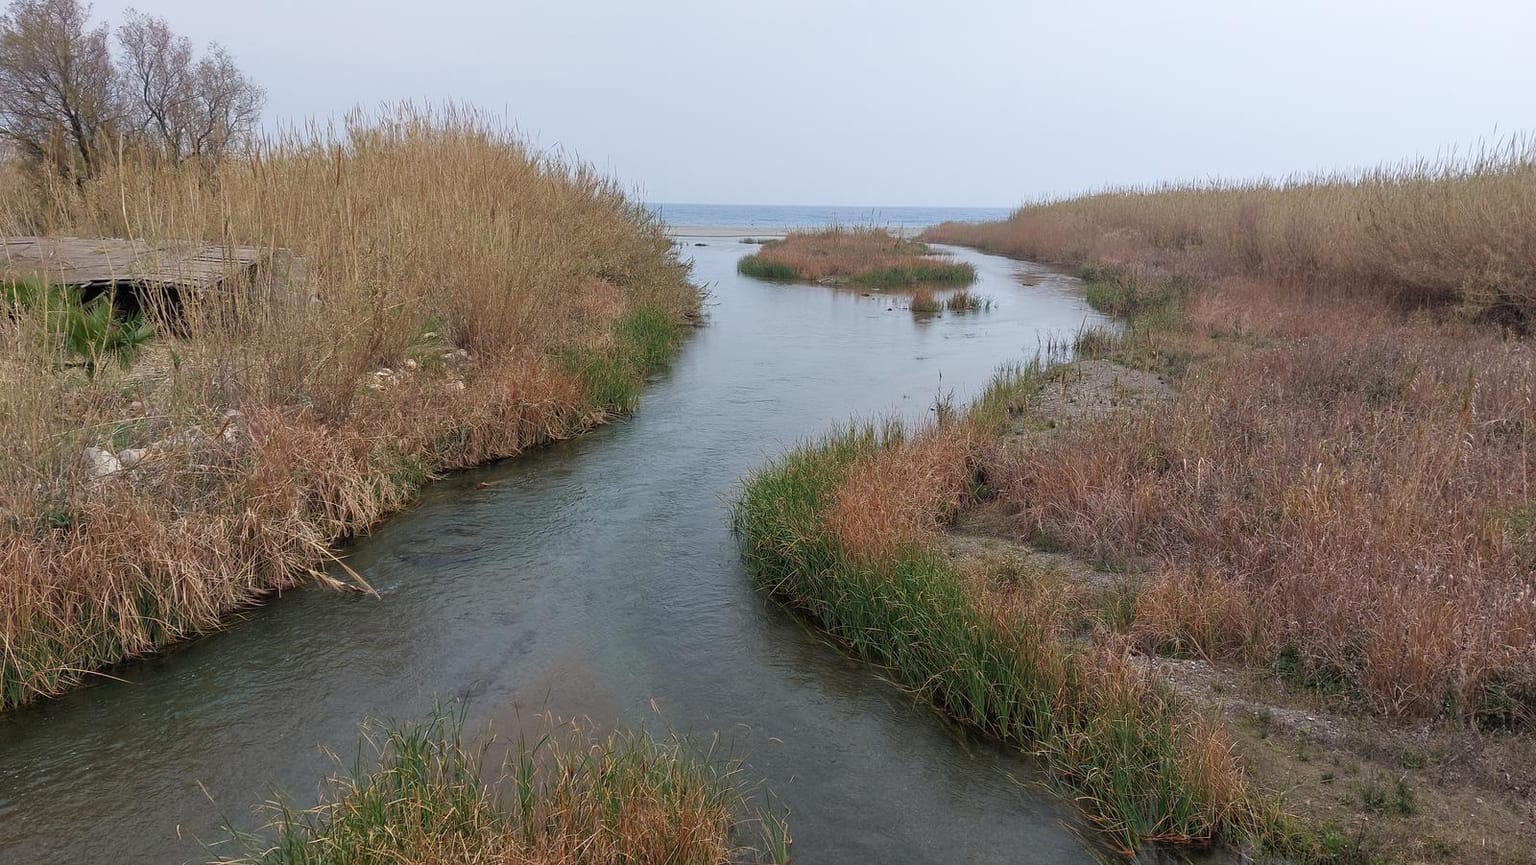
<point>870,257</point>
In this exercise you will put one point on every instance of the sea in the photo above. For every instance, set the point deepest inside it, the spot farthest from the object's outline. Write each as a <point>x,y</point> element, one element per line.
<point>779,218</point>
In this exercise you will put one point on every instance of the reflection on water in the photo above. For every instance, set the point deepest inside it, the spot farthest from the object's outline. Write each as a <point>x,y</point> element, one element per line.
<point>594,578</point>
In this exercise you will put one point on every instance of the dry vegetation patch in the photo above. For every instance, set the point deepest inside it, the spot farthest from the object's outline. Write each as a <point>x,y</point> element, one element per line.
<point>1325,523</point>
<point>866,256</point>
<point>454,298</point>
<point>1367,787</point>
<point>1454,231</point>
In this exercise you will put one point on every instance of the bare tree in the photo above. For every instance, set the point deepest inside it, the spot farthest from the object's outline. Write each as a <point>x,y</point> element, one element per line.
<point>186,108</point>
<point>56,83</point>
<point>228,105</point>
<point>157,82</point>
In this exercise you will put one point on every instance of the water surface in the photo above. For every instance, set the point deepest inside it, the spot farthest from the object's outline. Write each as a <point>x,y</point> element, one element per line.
<point>779,218</point>
<point>598,578</point>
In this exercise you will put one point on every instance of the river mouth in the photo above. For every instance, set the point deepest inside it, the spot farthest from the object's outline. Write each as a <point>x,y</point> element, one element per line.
<point>595,578</point>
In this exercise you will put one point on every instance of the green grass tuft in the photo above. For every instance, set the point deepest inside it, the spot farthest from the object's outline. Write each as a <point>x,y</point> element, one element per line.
<point>1148,304</point>
<point>755,266</point>
<point>643,341</point>
<point>964,301</point>
<point>79,333</point>
<point>936,273</point>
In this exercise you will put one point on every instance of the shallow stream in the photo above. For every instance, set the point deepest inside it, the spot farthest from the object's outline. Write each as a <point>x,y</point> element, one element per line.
<point>594,578</point>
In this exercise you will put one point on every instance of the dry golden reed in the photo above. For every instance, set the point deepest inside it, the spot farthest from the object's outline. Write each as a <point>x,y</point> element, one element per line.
<point>442,296</point>
<point>1452,230</point>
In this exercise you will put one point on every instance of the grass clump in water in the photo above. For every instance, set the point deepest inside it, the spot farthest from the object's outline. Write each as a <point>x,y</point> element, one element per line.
<point>906,276</point>
<point>869,257</point>
<point>965,301</point>
<point>761,268</point>
<point>419,793</point>
<point>924,303</point>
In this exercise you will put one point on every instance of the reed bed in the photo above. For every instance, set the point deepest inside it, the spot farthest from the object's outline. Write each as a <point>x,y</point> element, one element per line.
<point>1340,491</point>
<point>423,794</point>
<point>1353,508</point>
<point>870,257</point>
<point>843,529</point>
<point>1449,231</point>
<point>443,297</point>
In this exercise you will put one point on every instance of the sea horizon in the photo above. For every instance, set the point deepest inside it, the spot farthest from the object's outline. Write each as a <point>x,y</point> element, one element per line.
<point>784,217</point>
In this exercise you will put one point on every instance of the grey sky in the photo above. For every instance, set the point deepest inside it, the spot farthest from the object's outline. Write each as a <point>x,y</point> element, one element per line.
<point>896,102</point>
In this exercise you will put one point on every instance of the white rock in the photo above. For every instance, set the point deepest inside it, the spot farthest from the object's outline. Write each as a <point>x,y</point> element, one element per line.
<point>131,457</point>
<point>229,431</point>
<point>101,462</point>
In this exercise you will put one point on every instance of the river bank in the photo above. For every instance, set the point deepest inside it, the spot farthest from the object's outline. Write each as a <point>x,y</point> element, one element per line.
<point>536,587</point>
<point>152,494</point>
<point>1287,502</point>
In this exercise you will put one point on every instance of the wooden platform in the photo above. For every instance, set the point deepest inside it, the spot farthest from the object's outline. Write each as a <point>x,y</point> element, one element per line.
<point>97,263</point>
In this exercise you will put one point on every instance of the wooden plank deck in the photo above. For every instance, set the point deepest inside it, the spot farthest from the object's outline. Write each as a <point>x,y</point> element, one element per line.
<point>92,262</point>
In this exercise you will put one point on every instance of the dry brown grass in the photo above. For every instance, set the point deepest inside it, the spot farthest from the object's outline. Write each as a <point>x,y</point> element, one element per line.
<point>871,256</point>
<point>902,497</point>
<point>490,281</point>
<point>1341,489</point>
<point>1355,505</point>
<point>1455,230</point>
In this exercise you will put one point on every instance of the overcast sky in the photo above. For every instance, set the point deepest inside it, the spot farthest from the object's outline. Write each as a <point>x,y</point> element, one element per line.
<point>895,102</point>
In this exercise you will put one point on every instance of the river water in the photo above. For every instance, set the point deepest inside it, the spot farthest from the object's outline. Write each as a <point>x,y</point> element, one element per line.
<point>594,578</point>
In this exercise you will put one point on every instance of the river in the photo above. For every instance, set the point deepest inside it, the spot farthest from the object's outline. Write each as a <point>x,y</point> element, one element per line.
<point>597,577</point>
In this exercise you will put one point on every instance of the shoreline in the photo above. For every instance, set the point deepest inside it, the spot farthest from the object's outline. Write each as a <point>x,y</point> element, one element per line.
<point>564,424</point>
<point>1323,774</point>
